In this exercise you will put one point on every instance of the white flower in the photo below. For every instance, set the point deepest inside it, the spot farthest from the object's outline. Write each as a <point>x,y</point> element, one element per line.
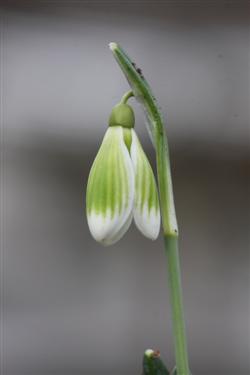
<point>121,184</point>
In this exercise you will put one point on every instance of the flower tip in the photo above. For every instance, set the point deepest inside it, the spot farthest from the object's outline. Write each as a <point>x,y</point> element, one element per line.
<point>113,46</point>
<point>107,231</point>
<point>148,223</point>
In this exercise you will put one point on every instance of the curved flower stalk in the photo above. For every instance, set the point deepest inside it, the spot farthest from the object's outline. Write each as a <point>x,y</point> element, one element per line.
<point>121,184</point>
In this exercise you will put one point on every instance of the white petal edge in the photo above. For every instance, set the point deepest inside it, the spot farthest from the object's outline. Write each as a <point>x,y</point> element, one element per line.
<point>118,235</point>
<point>148,222</point>
<point>109,229</point>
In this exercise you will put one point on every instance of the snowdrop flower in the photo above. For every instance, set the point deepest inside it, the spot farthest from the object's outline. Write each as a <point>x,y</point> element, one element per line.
<point>121,185</point>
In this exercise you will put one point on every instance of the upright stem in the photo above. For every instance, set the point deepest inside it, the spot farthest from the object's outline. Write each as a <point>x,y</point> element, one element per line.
<point>174,281</point>
<point>170,230</point>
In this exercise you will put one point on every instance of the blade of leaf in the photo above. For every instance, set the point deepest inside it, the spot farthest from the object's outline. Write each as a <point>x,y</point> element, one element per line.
<point>141,90</point>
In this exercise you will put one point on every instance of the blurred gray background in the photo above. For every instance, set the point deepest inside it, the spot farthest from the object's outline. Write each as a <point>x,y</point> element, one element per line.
<point>70,306</point>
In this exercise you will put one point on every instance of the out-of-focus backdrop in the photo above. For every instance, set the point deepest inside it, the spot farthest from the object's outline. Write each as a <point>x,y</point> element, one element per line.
<point>70,306</point>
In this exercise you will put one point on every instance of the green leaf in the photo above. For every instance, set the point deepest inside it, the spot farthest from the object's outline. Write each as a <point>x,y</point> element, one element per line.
<point>153,364</point>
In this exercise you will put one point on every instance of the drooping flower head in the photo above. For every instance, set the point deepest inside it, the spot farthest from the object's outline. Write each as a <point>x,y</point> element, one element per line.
<point>121,185</point>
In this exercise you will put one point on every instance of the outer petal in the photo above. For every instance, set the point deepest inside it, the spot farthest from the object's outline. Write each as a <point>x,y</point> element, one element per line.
<point>110,189</point>
<point>109,240</point>
<point>146,205</point>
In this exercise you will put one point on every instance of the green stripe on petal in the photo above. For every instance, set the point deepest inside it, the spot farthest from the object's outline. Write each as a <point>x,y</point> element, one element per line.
<point>146,205</point>
<point>110,189</point>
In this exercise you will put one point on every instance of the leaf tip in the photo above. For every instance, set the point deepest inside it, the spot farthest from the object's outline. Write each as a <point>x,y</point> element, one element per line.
<point>113,46</point>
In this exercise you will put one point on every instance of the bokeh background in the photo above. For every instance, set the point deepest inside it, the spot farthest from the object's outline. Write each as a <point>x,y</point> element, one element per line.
<point>70,306</point>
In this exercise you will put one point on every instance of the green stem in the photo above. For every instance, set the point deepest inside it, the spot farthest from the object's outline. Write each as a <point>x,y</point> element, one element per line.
<point>174,281</point>
<point>126,96</point>
<point>170,230</point>
<point>144,95</point>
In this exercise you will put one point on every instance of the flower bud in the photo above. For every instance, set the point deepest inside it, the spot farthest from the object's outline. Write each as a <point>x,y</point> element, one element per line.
<point>121,184</point>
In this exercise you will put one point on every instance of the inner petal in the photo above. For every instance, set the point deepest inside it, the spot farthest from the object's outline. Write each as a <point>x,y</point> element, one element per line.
<point>146,203</point>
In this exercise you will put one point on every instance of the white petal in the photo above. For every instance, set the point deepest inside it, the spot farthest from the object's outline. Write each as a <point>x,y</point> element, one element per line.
<point>110,190</point>
<point>110,240</point>
<point>146,203</point>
